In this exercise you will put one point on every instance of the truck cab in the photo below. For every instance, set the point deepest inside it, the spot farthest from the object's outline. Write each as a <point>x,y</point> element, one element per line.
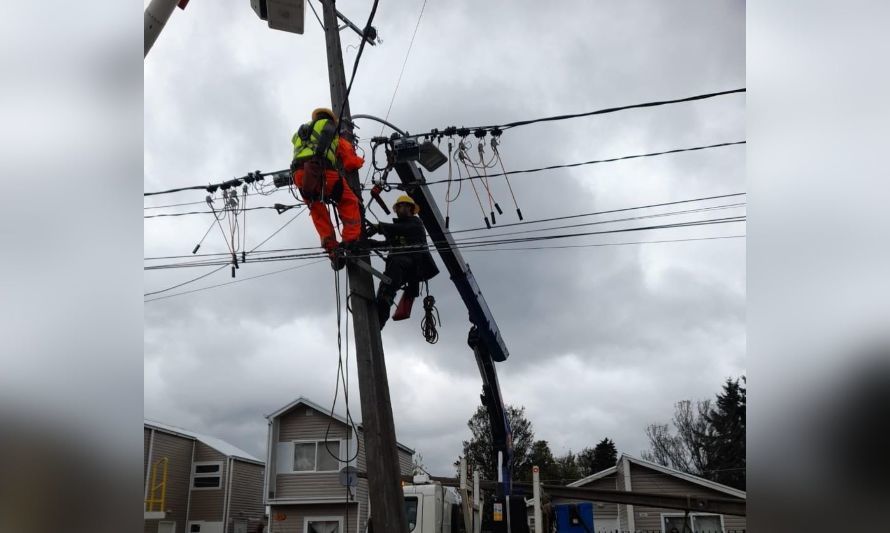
<point>432,508</point>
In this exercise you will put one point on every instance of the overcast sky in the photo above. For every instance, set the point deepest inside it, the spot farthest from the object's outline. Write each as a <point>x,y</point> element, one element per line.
<point>603,340</point>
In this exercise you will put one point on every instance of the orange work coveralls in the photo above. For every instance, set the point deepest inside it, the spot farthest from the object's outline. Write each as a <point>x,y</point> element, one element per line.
<point>347,206</point>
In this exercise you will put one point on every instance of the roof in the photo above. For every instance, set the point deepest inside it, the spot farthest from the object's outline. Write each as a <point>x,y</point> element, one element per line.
<point>688,477</point>
<point>327,412</point>
<point>219,445</point>
<point>593,477</point>
<point>665,470</point>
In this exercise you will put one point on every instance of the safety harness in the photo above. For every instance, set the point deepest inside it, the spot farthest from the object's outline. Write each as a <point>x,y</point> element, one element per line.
<point>315,150</point>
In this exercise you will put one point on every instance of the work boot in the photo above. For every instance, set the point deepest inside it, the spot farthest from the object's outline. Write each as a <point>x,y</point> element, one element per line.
<point>403,310</point>
<point>338,260</point>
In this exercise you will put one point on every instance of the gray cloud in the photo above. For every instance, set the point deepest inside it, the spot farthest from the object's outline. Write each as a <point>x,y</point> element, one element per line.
<point>603,340</point>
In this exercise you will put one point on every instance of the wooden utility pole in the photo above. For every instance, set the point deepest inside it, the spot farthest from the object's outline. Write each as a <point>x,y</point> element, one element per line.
<point>387,500</point>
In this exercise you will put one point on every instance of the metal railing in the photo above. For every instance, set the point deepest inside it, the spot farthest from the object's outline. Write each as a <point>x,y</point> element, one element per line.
<point>157,493</point>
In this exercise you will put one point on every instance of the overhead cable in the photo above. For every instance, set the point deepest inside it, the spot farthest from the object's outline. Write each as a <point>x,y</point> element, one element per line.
<point>496,130</point>
<point>592,162</point>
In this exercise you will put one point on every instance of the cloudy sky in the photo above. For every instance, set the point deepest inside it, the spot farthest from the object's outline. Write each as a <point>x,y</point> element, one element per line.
<point>603,339</point>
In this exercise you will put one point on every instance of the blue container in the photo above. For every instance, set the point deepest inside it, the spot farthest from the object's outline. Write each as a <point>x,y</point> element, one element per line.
<point>574,517</point>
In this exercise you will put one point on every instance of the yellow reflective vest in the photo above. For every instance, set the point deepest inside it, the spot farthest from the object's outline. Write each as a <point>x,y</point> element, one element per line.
<point>316,138</point>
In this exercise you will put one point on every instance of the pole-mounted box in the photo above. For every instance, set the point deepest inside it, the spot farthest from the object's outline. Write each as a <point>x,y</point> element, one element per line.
<point>284,15</point>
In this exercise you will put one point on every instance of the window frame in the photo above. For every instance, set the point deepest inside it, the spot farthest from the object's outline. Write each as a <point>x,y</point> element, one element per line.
<point>318,442</point>
<point>692,517</point>
<point>308,519</point>
<point>195,474</point>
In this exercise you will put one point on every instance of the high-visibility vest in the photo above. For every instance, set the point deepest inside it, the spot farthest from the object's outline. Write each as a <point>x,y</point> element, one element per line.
<point>316,138</point>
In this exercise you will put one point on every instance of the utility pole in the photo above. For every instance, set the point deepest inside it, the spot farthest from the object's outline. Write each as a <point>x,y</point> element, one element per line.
<point>387,500</point>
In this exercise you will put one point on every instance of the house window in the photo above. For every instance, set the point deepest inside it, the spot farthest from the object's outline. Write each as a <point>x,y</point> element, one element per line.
<point>207,475</point>
<point>327,524</point>
<point>705,523</point>
<point>317,456</point>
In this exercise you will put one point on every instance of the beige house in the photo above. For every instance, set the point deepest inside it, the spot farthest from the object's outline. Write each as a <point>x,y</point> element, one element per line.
<point>307,451</point>
<point>199,484</point>
<point>631,473</point>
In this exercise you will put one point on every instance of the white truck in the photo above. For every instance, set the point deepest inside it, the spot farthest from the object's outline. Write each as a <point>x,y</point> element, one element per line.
<point>431,507</point>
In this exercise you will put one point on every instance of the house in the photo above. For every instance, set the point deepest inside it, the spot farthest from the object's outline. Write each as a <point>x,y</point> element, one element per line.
<point>633,474</point>
<point>199,484</point>
<point>308,448</point>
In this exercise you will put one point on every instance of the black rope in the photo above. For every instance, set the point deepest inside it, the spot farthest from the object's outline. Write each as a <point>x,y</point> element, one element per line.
<point>431,318</point>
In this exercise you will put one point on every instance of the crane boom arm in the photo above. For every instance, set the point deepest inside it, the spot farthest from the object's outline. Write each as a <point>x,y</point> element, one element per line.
<point>485,337</point>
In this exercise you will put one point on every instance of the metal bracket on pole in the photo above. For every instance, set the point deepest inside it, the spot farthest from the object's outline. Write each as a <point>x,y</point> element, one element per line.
<point>536,494</point>
<point>371,270</point>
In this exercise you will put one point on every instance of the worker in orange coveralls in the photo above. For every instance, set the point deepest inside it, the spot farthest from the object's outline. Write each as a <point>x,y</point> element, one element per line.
<point>321,157</point>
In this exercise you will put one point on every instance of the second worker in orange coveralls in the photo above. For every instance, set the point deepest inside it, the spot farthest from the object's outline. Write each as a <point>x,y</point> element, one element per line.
<point>321,156</point>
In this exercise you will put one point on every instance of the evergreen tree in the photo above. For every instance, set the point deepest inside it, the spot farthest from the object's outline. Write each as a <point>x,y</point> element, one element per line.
<point>726,440</point>
<point>592,460</point>
<point>605,455</point>
<point>540,456</point>
<point>479,450</point>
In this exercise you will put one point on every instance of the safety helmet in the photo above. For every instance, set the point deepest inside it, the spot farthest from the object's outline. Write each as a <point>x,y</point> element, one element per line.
<point>322,112</point>
<point>405,199</point>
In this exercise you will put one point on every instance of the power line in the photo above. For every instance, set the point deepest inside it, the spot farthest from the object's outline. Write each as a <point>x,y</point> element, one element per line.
<point>358,57</point>
<point>313,249</point>
<point>596,245</point>
<point>610,211</point>
<point>463,245</point>
<point>160,215</point>
<point>592,162</point>
<point>480,131</point>
<point>267,193</point>
<point>398,82</point>
<point>236,181</point>
<point>404,63</point>
<point>538,221</point>
<point>227,263</point>
<point>235,281</point>
<point>599,222</point>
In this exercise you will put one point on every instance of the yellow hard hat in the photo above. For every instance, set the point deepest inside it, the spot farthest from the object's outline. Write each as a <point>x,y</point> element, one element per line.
<point>323,111</point>
<point>405,199</point>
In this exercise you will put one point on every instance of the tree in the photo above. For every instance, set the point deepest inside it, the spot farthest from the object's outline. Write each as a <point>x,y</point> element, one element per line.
<point>417,466</point>
<point>479,450</point>
<point>567,468</point>
<point>540,456</point>
<point>592,460</point>
<point>684,450</point>
<point>707,440</point>
<point>726,442</point>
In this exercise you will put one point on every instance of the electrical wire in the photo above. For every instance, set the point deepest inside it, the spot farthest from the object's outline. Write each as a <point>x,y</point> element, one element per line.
<point>235,281</point>
<point>358,57</point>
<point>594,245</point>
<point>226,264</point>
<point>496,129</point>
<point>524,223</point>
<point>464,245</point>
<point>398,82</point>
<point>592,162</point>
<point>187,213</point>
